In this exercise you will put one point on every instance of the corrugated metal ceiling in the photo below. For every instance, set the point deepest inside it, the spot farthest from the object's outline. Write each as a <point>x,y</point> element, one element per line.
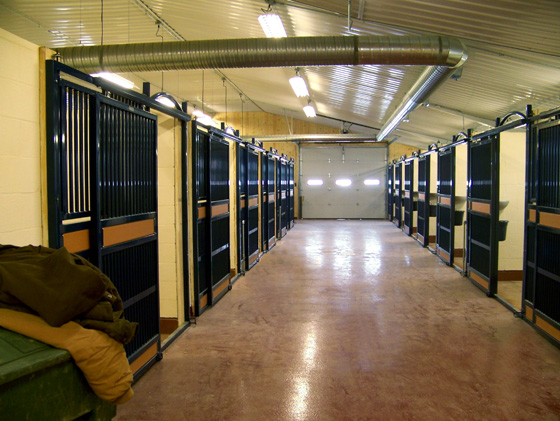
<point>514,55</point>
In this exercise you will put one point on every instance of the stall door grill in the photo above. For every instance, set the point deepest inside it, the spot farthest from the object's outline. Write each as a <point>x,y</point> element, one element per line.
<point>541,283</point>
<point>291,216</point>
<point>102,195</point>
<point>218,209</point>
<point>408,197</point>
<point>445,228</point>
<point>264,202</point>
<point>423,215</point>
<point>242,156</point>
<point>397,198</point>
<point>125,204</point>
<point>252,225</point>
<point>200,149</point>
<point>390,192</point>
<point>482,213</point>
<point>271,168</point>
<point>282,198</point>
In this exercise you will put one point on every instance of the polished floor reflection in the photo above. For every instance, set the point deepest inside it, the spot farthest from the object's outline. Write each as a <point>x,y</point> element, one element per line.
<point>352,320</point>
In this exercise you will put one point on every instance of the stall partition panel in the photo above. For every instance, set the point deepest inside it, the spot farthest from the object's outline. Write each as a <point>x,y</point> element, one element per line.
<point>242,156</point>
<point>264,203</point>
<point>408,197</point>
<point>252,209</point>
<point>271,215</point>
<point>282,198</point>
<point>423,215</point>
<point>102,196</point>
<point>201,139</point>
<point>390,193</point>
<point>219,211</point>
<point>445,226</point>
<point>397,197</point>
<point>482,213</point>
<point>541,286</point>
<point>291,216</point>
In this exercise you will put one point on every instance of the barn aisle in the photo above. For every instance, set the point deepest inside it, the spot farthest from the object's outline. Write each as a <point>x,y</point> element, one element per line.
<point>346,320</point>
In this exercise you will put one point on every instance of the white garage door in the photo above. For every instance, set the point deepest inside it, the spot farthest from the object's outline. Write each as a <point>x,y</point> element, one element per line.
<point>343,182</point>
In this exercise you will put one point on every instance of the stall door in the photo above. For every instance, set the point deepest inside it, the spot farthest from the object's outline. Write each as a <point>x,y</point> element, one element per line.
<point>102,196</point>
<point>282,198</point>
<point>264,202</point>
<point>241,207</point>
<point>408,197</point>
<point>218,209</point>
<point>201,141</point>
<point>390,198</point>
<point>541,286</point>
<point>482,213</point>
<point>445,228</point>
<point>423,215</point>
<point>125,208</point>
<point>291,216</point>
<point>271,215</point>
<point>252,209</point>
<point>398,192</point>
<point>343,182</point>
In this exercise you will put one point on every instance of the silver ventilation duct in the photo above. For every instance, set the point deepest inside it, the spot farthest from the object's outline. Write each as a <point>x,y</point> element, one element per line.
<point>267,52</point>
<point>445,53</point>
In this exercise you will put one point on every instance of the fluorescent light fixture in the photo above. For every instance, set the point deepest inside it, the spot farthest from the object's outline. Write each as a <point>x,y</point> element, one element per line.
<point>315,182</point>
<point>272,25</point>
<point>116,79</point>
<point>299,86</point>
<point>309,111</point>
<point>343,182</point>
<point>198,113</point>
<point>372,182</point>
<point>230,130</point>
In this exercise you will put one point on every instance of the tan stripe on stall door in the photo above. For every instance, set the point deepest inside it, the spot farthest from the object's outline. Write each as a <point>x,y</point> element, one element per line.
<point>444,200</point>
<point>549,219</point>
<point>479,280</point>
<point>202,212</point>
<point>146,356</point>
<point>548,328</point>
<point>117,234</point>
<point>443,254</point>
<point>532,215</point>
<point>528,313</point>
<point>422,197</point>
<point>77,241</point>
<point>253,202</point>
<point>480,207</point>
<point>218,210</point>
<point>271,197</point>
<point>204,301</point>
<point>218,290</point>
<point>406,194</point>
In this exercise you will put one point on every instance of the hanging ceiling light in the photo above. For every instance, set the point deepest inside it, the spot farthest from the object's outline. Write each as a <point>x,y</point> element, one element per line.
<point>116,79</point>
<point>298,85</point>
<point>272,24</point>
<point>309,111</point>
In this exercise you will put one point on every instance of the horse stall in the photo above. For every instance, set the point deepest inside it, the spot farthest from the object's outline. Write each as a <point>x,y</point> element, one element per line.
<point>398,194</point>
<point>390,192</point>
<point>410,197</point>
<point>211,211</point>
<point>541,285</point>
<point>426,208</point>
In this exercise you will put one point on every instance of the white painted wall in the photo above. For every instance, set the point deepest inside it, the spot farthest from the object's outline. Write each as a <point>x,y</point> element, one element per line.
<point>20,151</point>
<point>512,189</point>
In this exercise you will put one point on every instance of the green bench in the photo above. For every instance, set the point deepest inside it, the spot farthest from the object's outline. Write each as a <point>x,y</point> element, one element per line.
<point>39,382</point>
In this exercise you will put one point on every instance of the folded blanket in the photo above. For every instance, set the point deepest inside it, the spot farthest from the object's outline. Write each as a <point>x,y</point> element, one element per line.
<point>102,359</point>
<point>59,287</point>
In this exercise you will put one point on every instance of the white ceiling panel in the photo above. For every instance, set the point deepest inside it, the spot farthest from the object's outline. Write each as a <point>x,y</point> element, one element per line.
<point>514,55</point>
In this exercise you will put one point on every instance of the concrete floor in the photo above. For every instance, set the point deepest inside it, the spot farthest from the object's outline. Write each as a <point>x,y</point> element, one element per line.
<point>352,320</point>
